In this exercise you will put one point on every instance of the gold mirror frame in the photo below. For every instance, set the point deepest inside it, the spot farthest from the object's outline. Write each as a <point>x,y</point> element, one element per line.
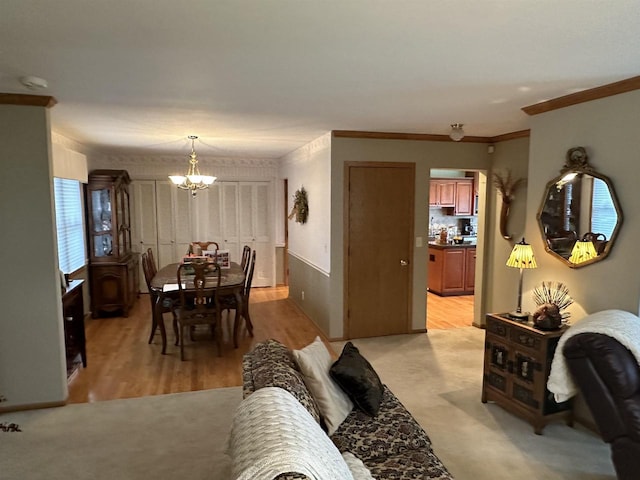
<point>562,246</point>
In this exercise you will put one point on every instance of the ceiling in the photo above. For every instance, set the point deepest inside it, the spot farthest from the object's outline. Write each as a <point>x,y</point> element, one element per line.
<point>260,78</point>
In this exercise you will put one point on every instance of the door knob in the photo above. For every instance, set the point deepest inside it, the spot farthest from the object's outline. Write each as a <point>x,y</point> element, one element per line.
<point>404,263</point>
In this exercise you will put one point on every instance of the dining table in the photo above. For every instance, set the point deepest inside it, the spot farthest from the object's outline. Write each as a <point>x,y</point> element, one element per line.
<point>165,285</point>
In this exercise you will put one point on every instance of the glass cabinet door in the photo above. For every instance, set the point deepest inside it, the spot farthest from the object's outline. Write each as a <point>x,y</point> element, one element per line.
<point>102,216</point>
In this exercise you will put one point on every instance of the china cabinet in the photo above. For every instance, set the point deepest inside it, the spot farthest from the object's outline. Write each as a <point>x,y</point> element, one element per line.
<point>113,267</point>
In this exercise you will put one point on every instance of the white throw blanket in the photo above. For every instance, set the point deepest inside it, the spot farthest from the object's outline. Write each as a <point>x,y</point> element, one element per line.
<point>272,433</point>
<point>621,325</point>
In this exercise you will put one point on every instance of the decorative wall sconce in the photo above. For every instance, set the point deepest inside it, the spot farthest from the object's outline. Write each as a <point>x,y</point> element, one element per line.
<point>507,187</point>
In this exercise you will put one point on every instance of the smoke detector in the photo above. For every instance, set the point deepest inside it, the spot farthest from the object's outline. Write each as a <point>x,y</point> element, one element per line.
<point>34,83</point>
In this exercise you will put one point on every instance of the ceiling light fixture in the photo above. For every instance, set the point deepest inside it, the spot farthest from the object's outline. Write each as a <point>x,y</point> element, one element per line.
<point>457,133</point>
<point>192,181</point>
<point>34,83</point>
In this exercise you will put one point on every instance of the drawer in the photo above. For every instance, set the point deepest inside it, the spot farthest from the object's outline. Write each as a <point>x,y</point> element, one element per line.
<point>525,339</point>
<point>497,327</point>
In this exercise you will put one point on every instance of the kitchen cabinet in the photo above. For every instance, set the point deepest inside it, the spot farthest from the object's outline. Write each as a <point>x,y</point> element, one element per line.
<point>517,362</point>
<point>456,193</point>
<point>442,193</point>
<point>464,197</point>
<point>113,266</point>
<point>451,269</point>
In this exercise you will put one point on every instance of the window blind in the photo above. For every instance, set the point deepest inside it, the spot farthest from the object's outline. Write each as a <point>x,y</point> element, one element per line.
<point>69,224</point>
<point>603,214</point>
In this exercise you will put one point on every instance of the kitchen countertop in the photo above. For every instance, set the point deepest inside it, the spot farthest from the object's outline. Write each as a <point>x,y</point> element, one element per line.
<point>443,246</point>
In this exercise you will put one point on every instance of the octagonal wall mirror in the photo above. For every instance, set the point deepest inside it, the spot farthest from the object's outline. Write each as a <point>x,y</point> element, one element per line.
<point>580,215</point>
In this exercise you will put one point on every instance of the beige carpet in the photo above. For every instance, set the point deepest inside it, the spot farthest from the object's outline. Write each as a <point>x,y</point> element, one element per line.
<point>438,377</point>
<point>170,437</point>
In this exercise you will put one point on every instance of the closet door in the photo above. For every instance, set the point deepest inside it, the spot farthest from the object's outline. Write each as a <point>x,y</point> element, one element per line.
<point>230,220</point>
<point>255,231</point>
<point>145,231</point>
<point>174,222</point>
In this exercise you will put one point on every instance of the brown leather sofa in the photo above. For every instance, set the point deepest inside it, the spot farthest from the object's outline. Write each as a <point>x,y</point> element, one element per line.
<point>608,376</point>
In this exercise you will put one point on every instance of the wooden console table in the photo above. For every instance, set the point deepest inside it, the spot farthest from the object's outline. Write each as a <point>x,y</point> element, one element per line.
<point>517,362</point>
<point>73,315</point>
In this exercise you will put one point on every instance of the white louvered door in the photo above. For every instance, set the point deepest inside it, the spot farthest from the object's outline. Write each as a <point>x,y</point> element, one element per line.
<point>144,231</point>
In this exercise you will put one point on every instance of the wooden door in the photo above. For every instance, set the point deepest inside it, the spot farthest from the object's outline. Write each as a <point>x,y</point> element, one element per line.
<point>379,202</point>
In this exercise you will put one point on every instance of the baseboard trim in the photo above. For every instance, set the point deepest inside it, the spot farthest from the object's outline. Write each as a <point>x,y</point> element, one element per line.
<point>32,406</point>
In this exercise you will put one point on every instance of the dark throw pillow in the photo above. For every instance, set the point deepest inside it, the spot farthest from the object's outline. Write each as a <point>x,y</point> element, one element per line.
<point>358,379</point>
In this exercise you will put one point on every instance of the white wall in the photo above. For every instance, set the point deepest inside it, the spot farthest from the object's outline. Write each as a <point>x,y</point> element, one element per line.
<point>310,167</point>
<point>32,358</point>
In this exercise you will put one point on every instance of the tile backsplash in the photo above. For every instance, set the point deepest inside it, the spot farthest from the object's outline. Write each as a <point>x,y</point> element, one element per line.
<point>438,220</point>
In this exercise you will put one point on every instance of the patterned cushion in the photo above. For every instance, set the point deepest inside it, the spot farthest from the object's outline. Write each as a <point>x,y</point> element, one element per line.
<point>412,464</point>
<point>391,432</point>
<point>271,364</point>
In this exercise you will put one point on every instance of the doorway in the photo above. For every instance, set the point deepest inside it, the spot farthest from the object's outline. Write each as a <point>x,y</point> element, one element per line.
<point>456,233</point>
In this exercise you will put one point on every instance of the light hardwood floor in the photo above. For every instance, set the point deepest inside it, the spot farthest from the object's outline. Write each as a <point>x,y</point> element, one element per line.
<point>121,364</point>
<point>449,312</point>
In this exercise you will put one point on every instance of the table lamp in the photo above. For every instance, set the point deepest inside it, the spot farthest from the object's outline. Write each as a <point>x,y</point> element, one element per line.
<point>582,252</point>
<point>521,257</point>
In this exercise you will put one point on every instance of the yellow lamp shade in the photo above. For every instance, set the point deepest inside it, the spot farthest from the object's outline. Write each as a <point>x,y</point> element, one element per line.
<point>522,256</point>
<point>582,252</point>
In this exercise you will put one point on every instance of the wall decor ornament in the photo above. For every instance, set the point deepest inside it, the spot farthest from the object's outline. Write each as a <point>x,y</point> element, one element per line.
<point>300,208</point>
<point>507,186</point>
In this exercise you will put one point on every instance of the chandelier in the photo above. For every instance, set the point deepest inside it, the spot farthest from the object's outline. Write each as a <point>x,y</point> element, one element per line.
<point>192,181</point>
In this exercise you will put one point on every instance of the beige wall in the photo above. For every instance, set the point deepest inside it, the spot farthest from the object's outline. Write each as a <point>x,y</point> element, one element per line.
<point>426,155</point>
<point>608,129</point>
<point>32,363</point>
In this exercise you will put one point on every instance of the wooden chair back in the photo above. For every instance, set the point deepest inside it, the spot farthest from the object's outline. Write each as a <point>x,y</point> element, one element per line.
<point>246,255</point>
<point>199,284</point>
<point>195,247</point>
<point>147,270</point>
<point>249,277</point>
<point>152,261</point>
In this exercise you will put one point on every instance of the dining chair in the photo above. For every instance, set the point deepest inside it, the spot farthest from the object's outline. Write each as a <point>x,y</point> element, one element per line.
<point>246,255</point>
<point>199,247</point>
<point>148,268</point>
<point>229,302</point>
<point>152,262</point>
<point>199,290</point>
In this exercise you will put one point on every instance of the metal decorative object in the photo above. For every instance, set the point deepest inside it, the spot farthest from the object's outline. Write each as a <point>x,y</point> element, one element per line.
<point>551,298</point>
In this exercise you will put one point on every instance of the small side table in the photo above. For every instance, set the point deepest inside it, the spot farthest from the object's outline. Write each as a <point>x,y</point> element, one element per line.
<point>73,315</point>
<point>517,362</point>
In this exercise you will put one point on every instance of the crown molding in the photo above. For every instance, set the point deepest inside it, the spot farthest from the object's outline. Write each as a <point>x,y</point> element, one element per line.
<point>303,153</point>
<point>427,136</point>
<point>27,100</point>
<point>596,93</point>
